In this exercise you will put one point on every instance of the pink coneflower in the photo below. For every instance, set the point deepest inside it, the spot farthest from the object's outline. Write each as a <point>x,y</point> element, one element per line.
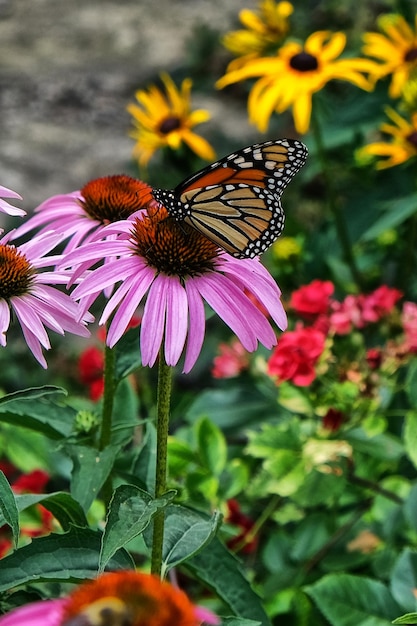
<point>124,597</point>
<point>176,270</point>
<point>29,294</point>
<point>78,215</point>
<point>6,207</point>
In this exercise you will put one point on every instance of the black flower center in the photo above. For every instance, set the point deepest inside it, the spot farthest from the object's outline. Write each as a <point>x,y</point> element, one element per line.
<point>172,248</point>
<point>411,55</point>
<point>16,273</point>
<point>304,62</point>
<point>113,198</point>
<point>169,124</point>
<point>412,138</point>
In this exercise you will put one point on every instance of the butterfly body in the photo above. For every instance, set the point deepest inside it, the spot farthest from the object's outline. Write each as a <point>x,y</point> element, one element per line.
<point>236,201</point>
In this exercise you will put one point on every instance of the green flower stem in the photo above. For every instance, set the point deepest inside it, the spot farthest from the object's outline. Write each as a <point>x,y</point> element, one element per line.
<point>163,409</point>
<point>339,220</point>
<point>108,397</point>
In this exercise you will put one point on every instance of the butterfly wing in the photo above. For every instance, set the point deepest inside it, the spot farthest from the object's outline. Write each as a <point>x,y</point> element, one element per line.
<point>236,202</point>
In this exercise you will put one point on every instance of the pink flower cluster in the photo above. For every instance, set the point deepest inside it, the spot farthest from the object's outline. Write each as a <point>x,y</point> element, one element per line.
<point>409,322</point>
<point>313,302</point>
<point>296,356</point>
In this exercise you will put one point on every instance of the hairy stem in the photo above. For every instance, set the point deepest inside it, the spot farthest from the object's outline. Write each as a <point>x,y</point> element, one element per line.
<point>162,426</point>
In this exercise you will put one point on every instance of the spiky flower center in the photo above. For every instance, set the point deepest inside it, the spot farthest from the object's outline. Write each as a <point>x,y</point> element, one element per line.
<point>114,198</point>
<point>173,248</point>
<point>128,599</point>
<point>304,62</point>
<point>16,273</point>
<point>169,124</point>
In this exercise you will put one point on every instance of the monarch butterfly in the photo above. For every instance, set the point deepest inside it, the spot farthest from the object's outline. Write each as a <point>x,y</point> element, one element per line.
<point>236,201</point>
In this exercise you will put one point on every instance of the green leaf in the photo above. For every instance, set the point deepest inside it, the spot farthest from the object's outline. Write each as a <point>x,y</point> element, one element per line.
<point>127,354</point>
<point>408,618</point>
<point>397,211</point>
<point>72,556</point>
<point>410,436</point>
<point>347,600</point>
<point>66,510</point>
<point>145,462</point>
<point>238,621</point>
<point>384,447</point>
<point>131,510</point>
<point>231,408</point>
<point>404,580</point>
<point>8,507</point>
<point>90,471</point>
<point>411,383</point>
<point>125,414</point>
<point>212,447</point>
<point>220,570</point>
<point>294,399</point>
<point>186,533</point>
<point>410,508</point>
<point>38,409</point>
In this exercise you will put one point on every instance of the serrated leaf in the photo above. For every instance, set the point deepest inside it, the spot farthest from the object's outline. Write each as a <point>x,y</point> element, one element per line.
<point>8,507</point>
<point>38,409</point>
<point>347,600</point>
<point>130,512</point>
<point>90,472</point>
<point>220,570</point>
<point>72,556</point>
<point>186,533</point>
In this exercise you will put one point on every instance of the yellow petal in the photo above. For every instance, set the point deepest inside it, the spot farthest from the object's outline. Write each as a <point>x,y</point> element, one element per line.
<point>199,145</point>
<point>302,113</point>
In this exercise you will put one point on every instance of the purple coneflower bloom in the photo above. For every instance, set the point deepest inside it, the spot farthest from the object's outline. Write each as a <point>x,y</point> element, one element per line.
<point>29,294</point>
<point>43,613</point>
<point>174,269</point>
<point>78,215</point>
<point>6,207</point>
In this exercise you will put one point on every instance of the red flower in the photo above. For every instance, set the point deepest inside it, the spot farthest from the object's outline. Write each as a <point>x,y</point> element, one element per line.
<point>374,358</point>
<point>245,524</point>
<point>379,303</point>
<point>91,363</point>
<point>232,360</point>
<point>295,356</point>
<point>313,299</point>
<point>34,482</point>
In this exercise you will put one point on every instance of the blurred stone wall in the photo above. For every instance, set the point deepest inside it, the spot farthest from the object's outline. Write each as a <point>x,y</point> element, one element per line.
<point>68,68</point>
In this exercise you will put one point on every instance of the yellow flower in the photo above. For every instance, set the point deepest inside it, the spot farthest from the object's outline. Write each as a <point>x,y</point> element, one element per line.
<point>166,119</point>
<point>397,49</point>
<point>291,77</point>
<point>403,146</point>
<point>286,248</point>
<point>262,29</point>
